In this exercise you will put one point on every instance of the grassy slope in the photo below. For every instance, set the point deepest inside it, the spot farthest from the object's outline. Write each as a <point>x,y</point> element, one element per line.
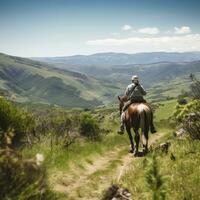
<point>182,175</point>
<point>28,80</point>
<point>66,166</point>
<point>89,162</point>
<point>165,110</point>
<point>31,81</point>
<point>172,88</point>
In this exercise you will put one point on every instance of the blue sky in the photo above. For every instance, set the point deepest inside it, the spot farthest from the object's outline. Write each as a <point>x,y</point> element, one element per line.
<point>68,27</point>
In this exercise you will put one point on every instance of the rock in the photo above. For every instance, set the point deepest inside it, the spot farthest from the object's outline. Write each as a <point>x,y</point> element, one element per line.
<point>164,147</point>
<point>180,132</point>
<point>117,193</point>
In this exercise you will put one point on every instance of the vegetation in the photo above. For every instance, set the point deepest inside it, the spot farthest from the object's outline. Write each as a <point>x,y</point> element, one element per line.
<point>12,118</point>
<point>22,178</point>
<point>155,181</point>
<point>89,127</point>
<point>83,145</point>
<point>26,80</point>
<point>165,174</point>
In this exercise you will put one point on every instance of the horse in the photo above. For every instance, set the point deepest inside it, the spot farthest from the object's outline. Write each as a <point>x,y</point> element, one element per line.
<point>137,116</point>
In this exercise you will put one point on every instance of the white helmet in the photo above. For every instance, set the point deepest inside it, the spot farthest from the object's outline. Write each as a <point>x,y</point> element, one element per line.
<point>135,78</point>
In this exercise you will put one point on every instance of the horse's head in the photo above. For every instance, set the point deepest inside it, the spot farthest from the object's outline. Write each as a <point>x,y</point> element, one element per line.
<point>122,100</point>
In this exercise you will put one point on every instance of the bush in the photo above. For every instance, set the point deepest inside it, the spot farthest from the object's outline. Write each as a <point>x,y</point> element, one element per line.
<point>13,118</point>
<point>189,114</point>
<point>23,179</point>
<point>56,127</point>
<point>182,101</point>
<point>89,127</point>
<point>183,110</point>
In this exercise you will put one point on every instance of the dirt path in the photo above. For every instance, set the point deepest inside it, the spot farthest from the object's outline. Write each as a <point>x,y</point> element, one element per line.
<point>127,159</point>
<point>90,182</point>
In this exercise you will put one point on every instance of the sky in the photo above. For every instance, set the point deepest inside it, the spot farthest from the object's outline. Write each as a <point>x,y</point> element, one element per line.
<point>41,28</point>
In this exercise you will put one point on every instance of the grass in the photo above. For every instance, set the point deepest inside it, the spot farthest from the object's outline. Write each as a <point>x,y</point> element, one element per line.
<point>165,110</point>
<point>71,165</point>
<point>182,177</point>
<point>79,152</point>
<point>32,81</point>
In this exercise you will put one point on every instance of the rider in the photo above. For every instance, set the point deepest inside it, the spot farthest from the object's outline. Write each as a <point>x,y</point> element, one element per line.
<point>135,93</point>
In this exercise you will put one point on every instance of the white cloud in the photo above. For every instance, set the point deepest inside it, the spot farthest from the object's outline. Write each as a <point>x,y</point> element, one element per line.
<point>182,30</point>
<point>126,27</point>
<point>149,30</point>
<point>190,42</point>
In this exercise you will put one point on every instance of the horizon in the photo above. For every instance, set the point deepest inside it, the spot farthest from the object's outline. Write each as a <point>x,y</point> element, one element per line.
<point>30,57</point>
<point>68,28</point>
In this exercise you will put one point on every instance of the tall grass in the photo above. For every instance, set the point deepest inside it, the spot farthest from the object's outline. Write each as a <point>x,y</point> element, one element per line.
<point>182,174</point>
<point>77,153</point>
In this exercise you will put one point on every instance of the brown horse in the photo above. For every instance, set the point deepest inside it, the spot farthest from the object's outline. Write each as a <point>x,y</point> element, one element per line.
<point>137,116</point>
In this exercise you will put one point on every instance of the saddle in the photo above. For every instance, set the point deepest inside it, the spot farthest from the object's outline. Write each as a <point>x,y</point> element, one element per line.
<point>133,101</point>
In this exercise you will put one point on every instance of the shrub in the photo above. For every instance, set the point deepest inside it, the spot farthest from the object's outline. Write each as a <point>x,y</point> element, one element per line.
<point>182,101</point>
<point>58,128</point>
<point>189,114</point>
<point>89,127</point>
<point>13,118</point>
<point>183,110</point>
<point>23,179</point>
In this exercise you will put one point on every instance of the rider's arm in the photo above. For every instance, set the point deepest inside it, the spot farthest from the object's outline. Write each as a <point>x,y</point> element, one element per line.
<point>127,91</point>
<point>142,90</point>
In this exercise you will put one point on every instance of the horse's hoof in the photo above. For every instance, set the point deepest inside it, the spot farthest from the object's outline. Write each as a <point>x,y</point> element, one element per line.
<point>136,154</point>
<point>145,151</point>
<point>131,151</point>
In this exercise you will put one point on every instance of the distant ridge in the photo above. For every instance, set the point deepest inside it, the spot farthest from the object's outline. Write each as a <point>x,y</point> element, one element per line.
<point>111,58</point>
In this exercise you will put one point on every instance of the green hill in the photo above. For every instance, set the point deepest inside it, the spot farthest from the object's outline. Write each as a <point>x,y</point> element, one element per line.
<point>163,80</point>
<point>28,81</point>
<point>25,80</point>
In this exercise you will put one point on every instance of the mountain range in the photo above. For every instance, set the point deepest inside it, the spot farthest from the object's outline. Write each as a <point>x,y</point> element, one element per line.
<point>67,81</point>
<point>122,58</point>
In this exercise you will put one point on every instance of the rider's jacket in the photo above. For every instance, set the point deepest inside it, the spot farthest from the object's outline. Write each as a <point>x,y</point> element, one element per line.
<point>135,91</point>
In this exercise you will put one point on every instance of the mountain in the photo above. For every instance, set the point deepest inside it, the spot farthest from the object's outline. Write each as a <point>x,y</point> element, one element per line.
<point>165,78</point>
<point>168,67</point>
<point>25,80</point>
<point>122,58</point>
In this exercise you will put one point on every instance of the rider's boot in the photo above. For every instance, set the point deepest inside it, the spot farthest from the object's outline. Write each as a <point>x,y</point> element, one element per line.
<point>121,130</point>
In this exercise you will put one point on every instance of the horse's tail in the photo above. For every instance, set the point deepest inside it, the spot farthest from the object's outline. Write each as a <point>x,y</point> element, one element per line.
<point>140,117</point>
<point>145,119</point>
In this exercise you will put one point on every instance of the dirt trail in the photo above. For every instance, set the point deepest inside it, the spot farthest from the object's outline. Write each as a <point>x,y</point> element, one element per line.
<point>90,182</point>
<point>127,159</point>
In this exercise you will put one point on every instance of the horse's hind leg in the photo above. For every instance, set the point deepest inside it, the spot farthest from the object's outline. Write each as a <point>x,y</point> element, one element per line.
<point>131,139</point>
<point>137,140</point>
